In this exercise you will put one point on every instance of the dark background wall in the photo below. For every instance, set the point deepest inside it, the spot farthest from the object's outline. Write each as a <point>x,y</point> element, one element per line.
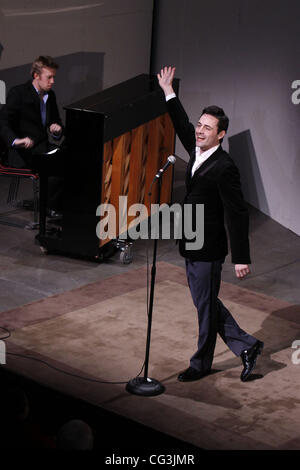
<point>80,75</point>
<point>96,43</point>
<point>242,55</point>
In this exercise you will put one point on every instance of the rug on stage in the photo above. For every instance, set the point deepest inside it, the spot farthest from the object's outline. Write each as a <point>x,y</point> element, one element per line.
<point>98,331</point>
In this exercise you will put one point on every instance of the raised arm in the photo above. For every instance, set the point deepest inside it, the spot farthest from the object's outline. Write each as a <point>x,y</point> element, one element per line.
<point>184,129</point>
<point>165,79</point>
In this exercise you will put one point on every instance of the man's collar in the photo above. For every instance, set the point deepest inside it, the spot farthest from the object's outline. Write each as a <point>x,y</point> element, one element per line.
<point>207,152</point>
<point>38,92</point>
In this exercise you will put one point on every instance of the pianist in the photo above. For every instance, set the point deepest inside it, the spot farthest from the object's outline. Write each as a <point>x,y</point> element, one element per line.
<point>30,119</point>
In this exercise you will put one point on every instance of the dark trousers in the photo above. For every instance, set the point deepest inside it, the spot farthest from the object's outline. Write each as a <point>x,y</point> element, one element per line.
<point>204,279</point>
<point>55,193</point>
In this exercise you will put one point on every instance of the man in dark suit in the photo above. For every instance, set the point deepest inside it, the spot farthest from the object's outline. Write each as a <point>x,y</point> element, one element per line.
<point>212,180</point>
<point>29,117</point>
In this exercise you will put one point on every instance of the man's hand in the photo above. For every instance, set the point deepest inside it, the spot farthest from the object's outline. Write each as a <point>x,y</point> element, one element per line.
<point>241,270</point>
<point>165,79</point>
<point>26,142</point>
<point>55,129</point>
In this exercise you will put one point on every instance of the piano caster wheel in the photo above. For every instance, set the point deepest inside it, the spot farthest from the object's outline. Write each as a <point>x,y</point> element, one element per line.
<point>44,250</point>
<point>125,255</point>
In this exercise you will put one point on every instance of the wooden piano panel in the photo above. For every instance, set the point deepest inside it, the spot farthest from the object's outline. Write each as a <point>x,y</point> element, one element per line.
<point>131,161</point>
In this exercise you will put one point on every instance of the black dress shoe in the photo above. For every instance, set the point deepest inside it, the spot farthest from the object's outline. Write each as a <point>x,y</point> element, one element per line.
<point>191,374</point>
<point>249,357</point>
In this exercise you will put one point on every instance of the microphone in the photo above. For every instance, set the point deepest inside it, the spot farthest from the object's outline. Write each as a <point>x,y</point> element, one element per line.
<point>170,161</point>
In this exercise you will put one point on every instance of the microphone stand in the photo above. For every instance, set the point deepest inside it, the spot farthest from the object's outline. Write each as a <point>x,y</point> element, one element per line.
<point>146,386</point>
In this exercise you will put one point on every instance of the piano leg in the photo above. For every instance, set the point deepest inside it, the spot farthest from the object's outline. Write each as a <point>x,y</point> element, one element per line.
<point>43,202</point>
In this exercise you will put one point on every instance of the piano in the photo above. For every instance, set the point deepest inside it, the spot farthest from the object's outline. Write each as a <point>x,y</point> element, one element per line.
<point>115,142</point>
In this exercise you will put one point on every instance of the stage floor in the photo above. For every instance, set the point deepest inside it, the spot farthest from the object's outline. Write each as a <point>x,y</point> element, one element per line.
<point>89,320</point>
<point>97,333</point>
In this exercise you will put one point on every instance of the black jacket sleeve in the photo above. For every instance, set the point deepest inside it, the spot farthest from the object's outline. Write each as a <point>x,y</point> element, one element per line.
<point>54,117</point>
<point>9,115</point>
<point>183,127</point>
<point>236,213</point>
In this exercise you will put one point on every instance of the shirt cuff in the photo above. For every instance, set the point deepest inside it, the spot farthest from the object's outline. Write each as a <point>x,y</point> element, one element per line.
<point>170,96</point>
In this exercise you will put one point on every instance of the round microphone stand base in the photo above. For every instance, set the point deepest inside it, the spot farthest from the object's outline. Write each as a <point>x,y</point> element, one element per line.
<point>145,387</point>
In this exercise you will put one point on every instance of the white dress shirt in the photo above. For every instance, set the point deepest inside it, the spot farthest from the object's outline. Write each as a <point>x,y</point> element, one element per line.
<point>200,157</point>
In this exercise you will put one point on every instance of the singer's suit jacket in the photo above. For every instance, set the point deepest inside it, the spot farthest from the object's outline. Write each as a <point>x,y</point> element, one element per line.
<point>216,184</point>
<point>21,117</point>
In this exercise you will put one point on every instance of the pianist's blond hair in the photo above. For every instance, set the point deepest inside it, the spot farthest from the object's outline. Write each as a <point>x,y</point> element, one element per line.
<point>41,62</point>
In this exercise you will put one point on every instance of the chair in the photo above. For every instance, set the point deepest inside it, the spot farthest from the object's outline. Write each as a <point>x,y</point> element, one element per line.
<point>16,175</point>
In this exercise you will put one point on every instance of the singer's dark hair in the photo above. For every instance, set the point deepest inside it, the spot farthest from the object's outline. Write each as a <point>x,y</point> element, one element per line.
<point>217,112</point>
